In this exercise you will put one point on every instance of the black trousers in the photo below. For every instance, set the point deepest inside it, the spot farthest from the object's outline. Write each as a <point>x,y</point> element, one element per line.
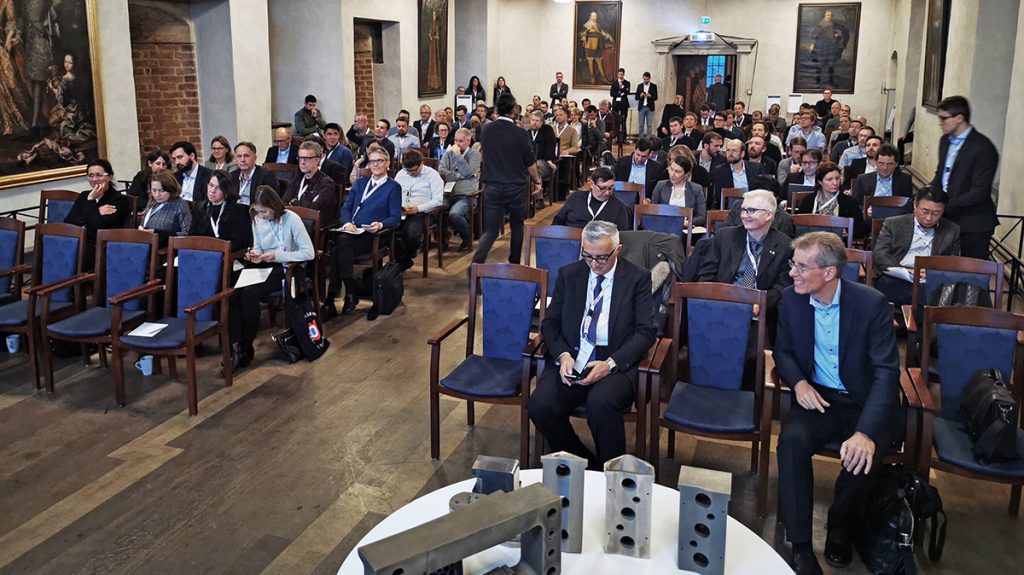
<point>975,244</point>
<point>804,432</point>
<point>411,235</point>
<point>346,248</point>
<point>244,310</point>
<point>606,401</point>
<point>497,202</point>
<point>897,291</point>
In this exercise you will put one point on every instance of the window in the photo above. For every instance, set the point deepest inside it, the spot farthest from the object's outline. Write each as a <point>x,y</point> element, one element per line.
<point>716,67</point>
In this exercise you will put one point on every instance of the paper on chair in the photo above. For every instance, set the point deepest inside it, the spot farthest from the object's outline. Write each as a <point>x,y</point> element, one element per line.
<point>354,232</point>
<point>147,329</point>
<point>448,187</point>
<point>252,276</point>
<point>237,266</point>
<point>900,273</point>
<point>700,230</point>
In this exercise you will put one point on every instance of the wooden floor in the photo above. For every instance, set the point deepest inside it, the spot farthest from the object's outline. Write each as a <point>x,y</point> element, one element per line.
<point>287,470</point>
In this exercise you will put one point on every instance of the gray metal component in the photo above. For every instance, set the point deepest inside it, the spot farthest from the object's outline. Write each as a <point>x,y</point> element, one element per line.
<point>564,474</point>
<point>703,511</point>
<point>495,474</point>
<point>460,500</point>
<point>533,511</point>
<point>628,506</point>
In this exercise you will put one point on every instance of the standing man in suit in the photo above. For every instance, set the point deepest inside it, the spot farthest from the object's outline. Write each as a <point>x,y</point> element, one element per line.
<point>903,238</point>
<point>967,166</point>
<point>610,127</point>
<point>283,151</point>
<point>718,95</point>
<point>646,96</point>
<point>620,101</point>
<point>735,173</point>
<point>249,176</point>
<point>193,176</point>
<point>558,90</point>
<point>885,181</point>
<point>640,168</point>
<point>836,347</point>
<point>600,323</point>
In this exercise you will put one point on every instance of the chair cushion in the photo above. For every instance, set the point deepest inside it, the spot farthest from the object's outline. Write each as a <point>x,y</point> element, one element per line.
<point>486,377</point>
<point>171,337</point>
<point>93,322</point>
<point>953,446</point>
<point>16,313</point>
<point>712,410</point>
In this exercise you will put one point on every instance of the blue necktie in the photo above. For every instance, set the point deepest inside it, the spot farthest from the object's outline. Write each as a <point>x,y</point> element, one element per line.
<point>595,314</point>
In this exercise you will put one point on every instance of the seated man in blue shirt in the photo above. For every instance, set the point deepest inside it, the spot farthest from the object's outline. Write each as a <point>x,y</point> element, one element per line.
<point>836,348</point>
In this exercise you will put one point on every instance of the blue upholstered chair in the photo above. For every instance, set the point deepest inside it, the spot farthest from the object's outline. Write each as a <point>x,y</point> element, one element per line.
<point>859,262</point>
<point>12,259</point>
<point>885,207</point>
<point>555,246</point>
<point>709,400</point>
<point>125,260</point>
<point>970,339</point>
<point>842,227</point>
<point>54,205</point>
<point>58,258</point>
<point>501,372</point>
<point>666,219</point>
<point>628,192</point>
<point>194,286</point>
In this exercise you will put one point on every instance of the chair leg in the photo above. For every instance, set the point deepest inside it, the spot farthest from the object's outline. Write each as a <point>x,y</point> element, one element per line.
<point>32,339</point>
<point>101,350</point>
<point>524,435</point>
<point>754,453</point>
<point>435,423</point>
<point>1014,508</point>
<point>193,394</point>
<point>225,354</point>
<point>172,367</point>
<point>671,445</point>
<point>86,356</point>
<point>47,356</point>
<point>470,414</point>
<point>118,360</point>
<point>426,250</point>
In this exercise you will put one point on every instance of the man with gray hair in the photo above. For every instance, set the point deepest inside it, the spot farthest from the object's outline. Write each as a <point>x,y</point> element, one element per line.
<point>836,349</point>
<point>461,164</point>
<point>593,361</point>
<point>311,187</point>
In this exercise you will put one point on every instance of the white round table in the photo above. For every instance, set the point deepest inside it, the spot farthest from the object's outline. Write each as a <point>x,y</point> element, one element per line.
<point>745,552</point>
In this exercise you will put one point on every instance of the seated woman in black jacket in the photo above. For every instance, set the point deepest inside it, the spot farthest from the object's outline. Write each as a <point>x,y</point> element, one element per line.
<point>221,216</point>
<point>166,214</point>
<point>100,208</point>
<point>156,162</point>
<point>829,200</point>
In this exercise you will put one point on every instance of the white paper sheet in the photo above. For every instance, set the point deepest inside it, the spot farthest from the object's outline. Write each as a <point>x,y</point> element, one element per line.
<point>147,329</point>
<point>252,276</point>
<point>793,103</point>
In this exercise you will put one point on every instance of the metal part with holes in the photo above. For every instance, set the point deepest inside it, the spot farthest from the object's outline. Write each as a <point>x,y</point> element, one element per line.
<point>564,474</point>
<point>703,515</point>
<point>533,511</point>
<point>495,474</point>
<point>630,483</point>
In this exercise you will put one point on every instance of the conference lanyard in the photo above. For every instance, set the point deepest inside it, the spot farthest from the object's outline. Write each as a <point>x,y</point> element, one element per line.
<point>589,316</point>
<point>827,203</point>
<point>593,214</point>
<point>370,188</point>
<point>215,224</point>
<point>750,256</point>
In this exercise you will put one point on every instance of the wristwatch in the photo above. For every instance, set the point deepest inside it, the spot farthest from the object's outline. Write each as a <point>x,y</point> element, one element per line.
<point>612,367</point>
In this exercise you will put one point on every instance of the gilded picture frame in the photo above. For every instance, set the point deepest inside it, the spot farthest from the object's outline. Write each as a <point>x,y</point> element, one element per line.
<point>432,48</point>
<point>826,47</point>
<point>597,41</point>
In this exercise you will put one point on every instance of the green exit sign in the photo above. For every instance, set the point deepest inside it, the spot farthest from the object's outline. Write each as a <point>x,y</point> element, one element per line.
<point>705,20</point>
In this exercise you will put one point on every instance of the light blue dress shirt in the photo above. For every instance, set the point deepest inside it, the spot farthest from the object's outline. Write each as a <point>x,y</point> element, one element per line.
<point>282,155</point>
<point>826,342</point>
<point>883,187</point>
<point>955,143</point>
<point>638,174</point>
<point>739,179</point>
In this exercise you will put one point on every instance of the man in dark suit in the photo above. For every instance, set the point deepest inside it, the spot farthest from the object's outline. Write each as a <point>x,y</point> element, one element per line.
<point>620,100</point>
<point>593,356</point>
<point>640,168</point>
<point>903,238</point>
<point>599,204</point>
<point>836,348</point>
<point>312,188</point>
<point>677,137</point>
<point>558,90</point>
<point>611,131</point>
<point>193,176</point>
<point>967,166</point>
<point>283,151</point>
<point>426,125</point>
<point>754,255</point>
<point>249,176</point>
<point>771,151</point>
<point>735,173</point>
<point>886,180</point>
<point>646,96</point>
<point>740,118</point>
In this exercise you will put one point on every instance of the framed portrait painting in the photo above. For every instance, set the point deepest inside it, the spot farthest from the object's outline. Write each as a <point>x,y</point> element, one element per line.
<point>936,37</point>
<point>50,98</point>
<point>597,31</point>
<point>826,47</point>
<point>432,48</point>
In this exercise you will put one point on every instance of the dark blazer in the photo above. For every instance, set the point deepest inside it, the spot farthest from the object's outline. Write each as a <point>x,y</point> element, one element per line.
<point>574,212</point>
<point>340,154</point>
<point>868,360</point>
<point>385,143</point>
<point>898,231</point>
<point>620,103</point>
<point>384,205</point>
<point>722,178</point>
<point>745,121</point>
<point>557,92</point>
<point>793,178</point>
<point>656,172</point>
<point>426,133</point>
<point>669,141</point>
<point>722,261</point>
<point>234,225</point>
<point>970,183</point>
<point>865,184</point>
<point>652,90</point>
<point>848,208</point>
<point>86,213</point>
<point>667,113</point>
<point>293,155</point>
<point>543,143</point>
<point>140,186</point>
<point>321,195</point>
<point>631,330</point>
<point>335,171</point>
<point>198,188</point>
<point>498,92</point>
<point>839,147</point>
<point>610,124</point>
<point>260,177</point>
<point>694,199</point>
<point>782,220</point>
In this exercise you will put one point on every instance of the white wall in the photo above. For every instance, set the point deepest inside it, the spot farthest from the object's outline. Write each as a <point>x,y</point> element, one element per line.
<point>251,60</point>
<point>211,20</point>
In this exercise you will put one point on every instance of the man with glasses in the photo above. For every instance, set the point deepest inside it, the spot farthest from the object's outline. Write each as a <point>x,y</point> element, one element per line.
<point>842,144</point>
<point>193,176</point>
<point>599,203</point>
<point>807,130</point>
<point>402,139</point>
<point>283,151</point>
<point>311,187</point>
<point>592,361</point>
<point>422,191</point>
<point>753,255</point>
<point>966,169</point>
<point>836,349</point>
<point>806,176</point>
<point>791,164</point>
<point>249,176</point>
<point>886,180</point>
<point>640,168</point>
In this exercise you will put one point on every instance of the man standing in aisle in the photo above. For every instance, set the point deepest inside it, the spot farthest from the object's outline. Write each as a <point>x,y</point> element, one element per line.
<point>620,101</point>
<point>646,96</point>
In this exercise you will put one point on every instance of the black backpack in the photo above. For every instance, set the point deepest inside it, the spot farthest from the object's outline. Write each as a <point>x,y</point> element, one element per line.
<point>305,336</point>
<point>990,415</point>
<point>884,533</point>
<point>388,289</point>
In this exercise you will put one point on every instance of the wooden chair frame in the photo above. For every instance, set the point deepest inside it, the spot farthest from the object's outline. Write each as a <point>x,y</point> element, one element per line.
<point>715,218</point>
<point>666,210</point>
<point>45,196</point>
<point>866,259</point>
<point>730,194</point>
<point>952,264</point>
<point>17,271</point>
<point>823,221</point>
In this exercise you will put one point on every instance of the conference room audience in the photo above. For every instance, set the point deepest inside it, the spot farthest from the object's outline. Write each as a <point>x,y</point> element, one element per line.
<point>220,215</point>
<point>792,163</point>
<point>422,191</point>
<point>249,175</point>
<point>156,162</point>
<point>639,168</point>
<point>283,151</point>
<point>311,188</point>
<point>808,174</point>
<point>166,214</point>
<point>440,144</point>
<point>336,148</point>
<point>677,190</point>
<point>599,203</point>
<point>829,200</point>
<point>221,157</point>
<point>886,181</point>
<point>191,175</point>
<point>101,207</point>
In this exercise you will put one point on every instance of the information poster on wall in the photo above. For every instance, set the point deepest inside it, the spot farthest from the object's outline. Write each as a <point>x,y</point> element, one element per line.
<point>793,104</point>
<point>769,101</point>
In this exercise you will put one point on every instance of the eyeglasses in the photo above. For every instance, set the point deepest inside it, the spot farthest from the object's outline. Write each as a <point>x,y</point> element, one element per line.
<point>943,118</point>
<point>217,148</point>
<point>802,269</point>
<point>606,188</point>
<point>752,211</point>
<point>377,161</point>
<point>308,158</point>
<point>601,259</point>
<point>96,176</point>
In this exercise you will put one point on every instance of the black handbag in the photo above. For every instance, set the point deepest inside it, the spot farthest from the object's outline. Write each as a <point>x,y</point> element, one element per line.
<point>289,344</point>
<point>305,330</point>
<point>990,416</point>
<point>388,289</point>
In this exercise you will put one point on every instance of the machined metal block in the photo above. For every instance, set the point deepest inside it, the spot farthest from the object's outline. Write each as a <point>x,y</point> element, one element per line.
<point>564,473</point>
<point>630,486</point>
<point>704,497</point>
<point>495,474</point>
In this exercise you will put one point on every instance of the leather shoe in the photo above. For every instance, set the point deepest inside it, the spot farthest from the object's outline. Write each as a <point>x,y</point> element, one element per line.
<point>838,551</point>
<point>466,246</point>
<point>328,311</point>
<point>351,302</point>
<point>805,563</point>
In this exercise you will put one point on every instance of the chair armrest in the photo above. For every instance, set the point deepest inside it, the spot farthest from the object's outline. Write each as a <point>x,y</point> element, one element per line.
<point>209,301</point>
<point>448,330</point>
<point>656,356</point>
<point>535,343</point>
<point>152,286</point>
<point>924,397</point>
<point>22,269</point>
<point>45,291</point>
<point>908,318</point>
<point>909,391</point>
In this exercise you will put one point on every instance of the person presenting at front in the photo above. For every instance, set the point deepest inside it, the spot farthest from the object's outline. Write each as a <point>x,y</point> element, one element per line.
<point>374,203</point>
<point>828,200</point>
<point>422,191</point>
<point>598,204</point>
<point>836,347</point>
<point>598,326</point>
